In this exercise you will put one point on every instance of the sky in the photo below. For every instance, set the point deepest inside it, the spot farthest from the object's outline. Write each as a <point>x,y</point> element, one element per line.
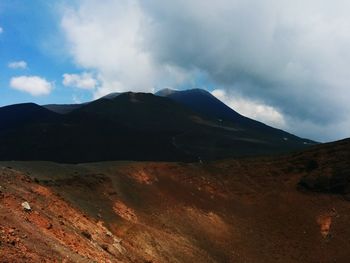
<point>285,63</point>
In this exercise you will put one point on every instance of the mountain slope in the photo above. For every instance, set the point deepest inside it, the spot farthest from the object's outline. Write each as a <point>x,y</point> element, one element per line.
<point>205,103</point>
<point>62,108</point>
<point>247,130</point>
<point>245,210</point>
<point>15,116</point>
<point>202,101</point>
<point>142,111</point>
<point>135,126</point>
<point>68,108</point>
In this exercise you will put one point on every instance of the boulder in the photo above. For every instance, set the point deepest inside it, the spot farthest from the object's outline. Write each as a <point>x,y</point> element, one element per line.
<point>26,206</point>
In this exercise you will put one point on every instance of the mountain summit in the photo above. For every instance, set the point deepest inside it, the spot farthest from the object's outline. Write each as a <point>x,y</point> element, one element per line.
<point>204,102</point>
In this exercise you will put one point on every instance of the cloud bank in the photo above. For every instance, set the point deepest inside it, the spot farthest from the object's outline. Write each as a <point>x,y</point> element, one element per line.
<point>252,109</point>
<point>107,38</point>
<point>290,56</point>
<point>84,80</point>
<point>34,85</point>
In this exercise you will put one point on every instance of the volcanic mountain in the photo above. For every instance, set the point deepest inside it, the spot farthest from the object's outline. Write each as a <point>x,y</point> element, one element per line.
<point>204,102</point>
<point>138,126</point>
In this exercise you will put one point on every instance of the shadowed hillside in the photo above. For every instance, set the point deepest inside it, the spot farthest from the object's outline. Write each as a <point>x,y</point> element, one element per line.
<point>246,210</point>
<point>136,126</point>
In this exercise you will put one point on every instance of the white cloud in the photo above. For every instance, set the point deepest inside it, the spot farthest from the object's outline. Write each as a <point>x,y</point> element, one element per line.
<point>17,64</point>
<point>83,81</point>
<point>34,85</point>
<point>108,38</point>
<point>292,55</point>
<point>1,30</point>
<point>275,118</point>
<point>252,109</point>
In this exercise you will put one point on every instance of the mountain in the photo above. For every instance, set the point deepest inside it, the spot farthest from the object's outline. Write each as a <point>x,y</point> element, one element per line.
<point>204,102</point>
<point>327,168</point>
<point>15,116</point>
<point>233,210</point>
<point>137,126</point>
<point>62,108</point>
<point>67,108</point>
<point>112,95</point>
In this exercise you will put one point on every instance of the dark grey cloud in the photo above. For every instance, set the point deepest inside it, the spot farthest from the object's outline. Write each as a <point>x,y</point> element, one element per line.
<point>290,55</point>
<point>294,56</point>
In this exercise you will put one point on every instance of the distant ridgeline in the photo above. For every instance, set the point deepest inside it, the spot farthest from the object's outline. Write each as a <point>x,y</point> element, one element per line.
<point>186,126</point>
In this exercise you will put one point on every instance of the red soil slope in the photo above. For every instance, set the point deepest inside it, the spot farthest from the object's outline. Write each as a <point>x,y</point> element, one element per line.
<point>247,210</point>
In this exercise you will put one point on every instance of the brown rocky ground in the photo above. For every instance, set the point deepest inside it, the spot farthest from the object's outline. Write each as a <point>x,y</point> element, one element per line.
<point>248,210</point>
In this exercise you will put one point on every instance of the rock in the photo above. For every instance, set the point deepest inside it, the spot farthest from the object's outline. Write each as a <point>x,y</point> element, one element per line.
<point>119,247</point>
<point>117,240</point>
<point>86,234</point>
<point>26,206</point>
<point>104,247</point>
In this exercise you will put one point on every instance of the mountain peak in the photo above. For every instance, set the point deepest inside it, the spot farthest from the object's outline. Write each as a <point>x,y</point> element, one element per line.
<point>165,92</point>
<point>168,92</point>
<point>112,95</point>
<point>201,101</point>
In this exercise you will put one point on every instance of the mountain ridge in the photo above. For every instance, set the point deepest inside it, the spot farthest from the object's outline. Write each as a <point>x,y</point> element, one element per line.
<point>139,126</point>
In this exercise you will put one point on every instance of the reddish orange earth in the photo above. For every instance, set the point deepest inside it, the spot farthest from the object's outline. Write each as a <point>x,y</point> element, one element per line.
<point>247,210</point>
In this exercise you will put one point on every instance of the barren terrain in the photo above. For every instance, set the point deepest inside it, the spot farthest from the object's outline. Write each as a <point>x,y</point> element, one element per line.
<point>243,210</point>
